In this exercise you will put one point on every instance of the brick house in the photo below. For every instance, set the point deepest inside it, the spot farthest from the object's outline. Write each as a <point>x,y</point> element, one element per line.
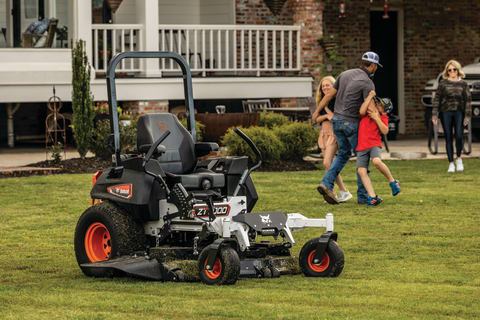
<point>414,44</point>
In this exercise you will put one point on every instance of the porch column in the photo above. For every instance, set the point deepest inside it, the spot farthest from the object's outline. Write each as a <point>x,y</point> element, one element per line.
<point>147,14</point>
<point>81,24</point>
<point>308,15</point>
<point>10,126</point>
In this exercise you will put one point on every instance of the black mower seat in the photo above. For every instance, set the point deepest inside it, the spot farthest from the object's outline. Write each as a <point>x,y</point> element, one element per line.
<point>179,160</point>
<point>179,157</point>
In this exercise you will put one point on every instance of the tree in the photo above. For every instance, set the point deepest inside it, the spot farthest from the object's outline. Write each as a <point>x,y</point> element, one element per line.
<point>82,99</point>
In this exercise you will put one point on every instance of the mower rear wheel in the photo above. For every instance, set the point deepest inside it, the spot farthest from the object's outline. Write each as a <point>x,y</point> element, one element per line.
<point>226,269</point>
<point>105,231</point>
<point>331,264</point>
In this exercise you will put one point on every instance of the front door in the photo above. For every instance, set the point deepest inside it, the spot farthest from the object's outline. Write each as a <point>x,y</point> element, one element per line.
<point>383,37</point>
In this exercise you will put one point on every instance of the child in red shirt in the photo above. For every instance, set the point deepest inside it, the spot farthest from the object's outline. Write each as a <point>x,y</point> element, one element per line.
<point>373,121</point>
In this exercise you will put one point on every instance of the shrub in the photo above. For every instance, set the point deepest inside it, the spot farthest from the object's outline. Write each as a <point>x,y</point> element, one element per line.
<point>200,128</point>
<point>266,141</point>
<point>102,144</point>
<point>297,138</point>
<point>271,120</point>
<point>82,99</point>
<point>56,151</point>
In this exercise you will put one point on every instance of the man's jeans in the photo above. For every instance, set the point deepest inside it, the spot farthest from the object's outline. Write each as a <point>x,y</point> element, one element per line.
<point>346,133</point>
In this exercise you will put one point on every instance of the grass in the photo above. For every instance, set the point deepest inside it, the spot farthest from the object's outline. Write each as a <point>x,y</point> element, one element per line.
<point>416,256</point>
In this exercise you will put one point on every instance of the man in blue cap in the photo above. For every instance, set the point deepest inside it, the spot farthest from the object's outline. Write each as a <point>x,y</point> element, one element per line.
<point>351,88</point>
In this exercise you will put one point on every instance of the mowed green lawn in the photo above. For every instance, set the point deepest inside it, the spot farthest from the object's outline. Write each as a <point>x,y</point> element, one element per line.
<point>416,256</point>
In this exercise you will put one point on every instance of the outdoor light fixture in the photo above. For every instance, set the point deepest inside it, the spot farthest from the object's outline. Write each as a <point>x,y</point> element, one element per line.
<point>275,6</point>
<point>385,10</point>
<point>341,9</point>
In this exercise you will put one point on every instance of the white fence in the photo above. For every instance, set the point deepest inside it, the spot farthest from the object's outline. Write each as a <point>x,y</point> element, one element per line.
<point>110,39</point>
<point>233,48</point>
<point>207,48</point>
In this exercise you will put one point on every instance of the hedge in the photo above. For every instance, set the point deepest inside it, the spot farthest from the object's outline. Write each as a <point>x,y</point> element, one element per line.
<point>267,142</point>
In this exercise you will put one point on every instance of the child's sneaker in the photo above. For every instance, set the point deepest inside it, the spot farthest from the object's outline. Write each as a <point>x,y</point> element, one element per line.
<point>459,164</point>
<point>395,185</point>
<point>373,201</point>
<point>344,196</point>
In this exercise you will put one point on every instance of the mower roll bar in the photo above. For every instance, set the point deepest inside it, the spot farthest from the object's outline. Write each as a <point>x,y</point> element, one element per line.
<point>112,93</point>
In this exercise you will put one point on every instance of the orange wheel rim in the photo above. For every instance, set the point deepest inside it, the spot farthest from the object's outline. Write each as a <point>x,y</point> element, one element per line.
<point>318,267</point>
<point>98,243</point>
<point>216,270</point>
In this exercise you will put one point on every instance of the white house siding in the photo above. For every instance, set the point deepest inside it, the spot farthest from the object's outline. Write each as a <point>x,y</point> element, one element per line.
<point>217,12</point>
<point>179,11</point>
<point>126,13</point>
<point>62,12</point>
<point>169,11</point>
<point>3,22</point>
<point>183,12</point>
<point>3,13</point>
<point>164,89</point>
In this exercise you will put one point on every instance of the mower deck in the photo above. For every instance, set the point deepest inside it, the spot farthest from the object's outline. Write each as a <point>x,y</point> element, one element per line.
<point>148,268</point>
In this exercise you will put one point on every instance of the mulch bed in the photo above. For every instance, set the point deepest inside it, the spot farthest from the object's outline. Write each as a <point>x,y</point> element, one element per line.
<point>91,165</point>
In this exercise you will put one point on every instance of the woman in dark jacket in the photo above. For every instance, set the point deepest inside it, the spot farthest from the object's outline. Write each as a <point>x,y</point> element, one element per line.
<point>454,103</point>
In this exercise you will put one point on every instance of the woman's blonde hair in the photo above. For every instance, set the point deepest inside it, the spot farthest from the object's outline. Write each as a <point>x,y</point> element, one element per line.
<point>457,65</point>
<point>320,94</point>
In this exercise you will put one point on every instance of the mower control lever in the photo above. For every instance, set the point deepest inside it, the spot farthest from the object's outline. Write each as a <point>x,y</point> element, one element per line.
<point>251,145</point>
<point>147,158</point>
<point>247,172</point>
<point>154,147</point>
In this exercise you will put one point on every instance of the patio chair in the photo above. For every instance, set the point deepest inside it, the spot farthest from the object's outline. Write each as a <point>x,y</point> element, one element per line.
<point>436,131</point>
<point>31,40</point>
<point>255,105</point>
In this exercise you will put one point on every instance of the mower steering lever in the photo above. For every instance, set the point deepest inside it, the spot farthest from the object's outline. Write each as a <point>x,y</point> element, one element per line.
<point>247,172</point>
<point>147,158</point>
<point>154,147</point>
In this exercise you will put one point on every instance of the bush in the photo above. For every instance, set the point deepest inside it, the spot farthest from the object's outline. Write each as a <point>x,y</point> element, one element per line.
<point>272,120</point>
<point>200,128</point>
<point>102,144</point>
<point>297,138</point>
<point>266,141</point>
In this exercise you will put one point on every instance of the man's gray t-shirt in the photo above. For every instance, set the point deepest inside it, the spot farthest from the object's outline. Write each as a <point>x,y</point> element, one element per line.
<point>352,86</point>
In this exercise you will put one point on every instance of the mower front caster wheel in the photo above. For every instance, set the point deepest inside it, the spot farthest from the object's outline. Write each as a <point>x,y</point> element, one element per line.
<point>331,264</point>
<point>225,270</point>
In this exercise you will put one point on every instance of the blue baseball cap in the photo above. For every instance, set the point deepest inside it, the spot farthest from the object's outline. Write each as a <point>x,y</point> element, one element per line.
<point>371,56</point>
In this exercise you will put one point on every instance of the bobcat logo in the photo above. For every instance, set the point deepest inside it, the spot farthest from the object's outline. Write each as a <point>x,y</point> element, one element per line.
<point>162,125</point>
<point>266,219</point>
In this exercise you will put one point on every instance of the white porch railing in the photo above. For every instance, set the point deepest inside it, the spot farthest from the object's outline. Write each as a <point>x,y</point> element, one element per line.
<point>207,48</point>
<point>109,39</point>
<point>232,48</point>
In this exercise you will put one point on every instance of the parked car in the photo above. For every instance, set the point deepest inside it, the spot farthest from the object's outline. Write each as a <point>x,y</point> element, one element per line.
<point>472,76</point>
